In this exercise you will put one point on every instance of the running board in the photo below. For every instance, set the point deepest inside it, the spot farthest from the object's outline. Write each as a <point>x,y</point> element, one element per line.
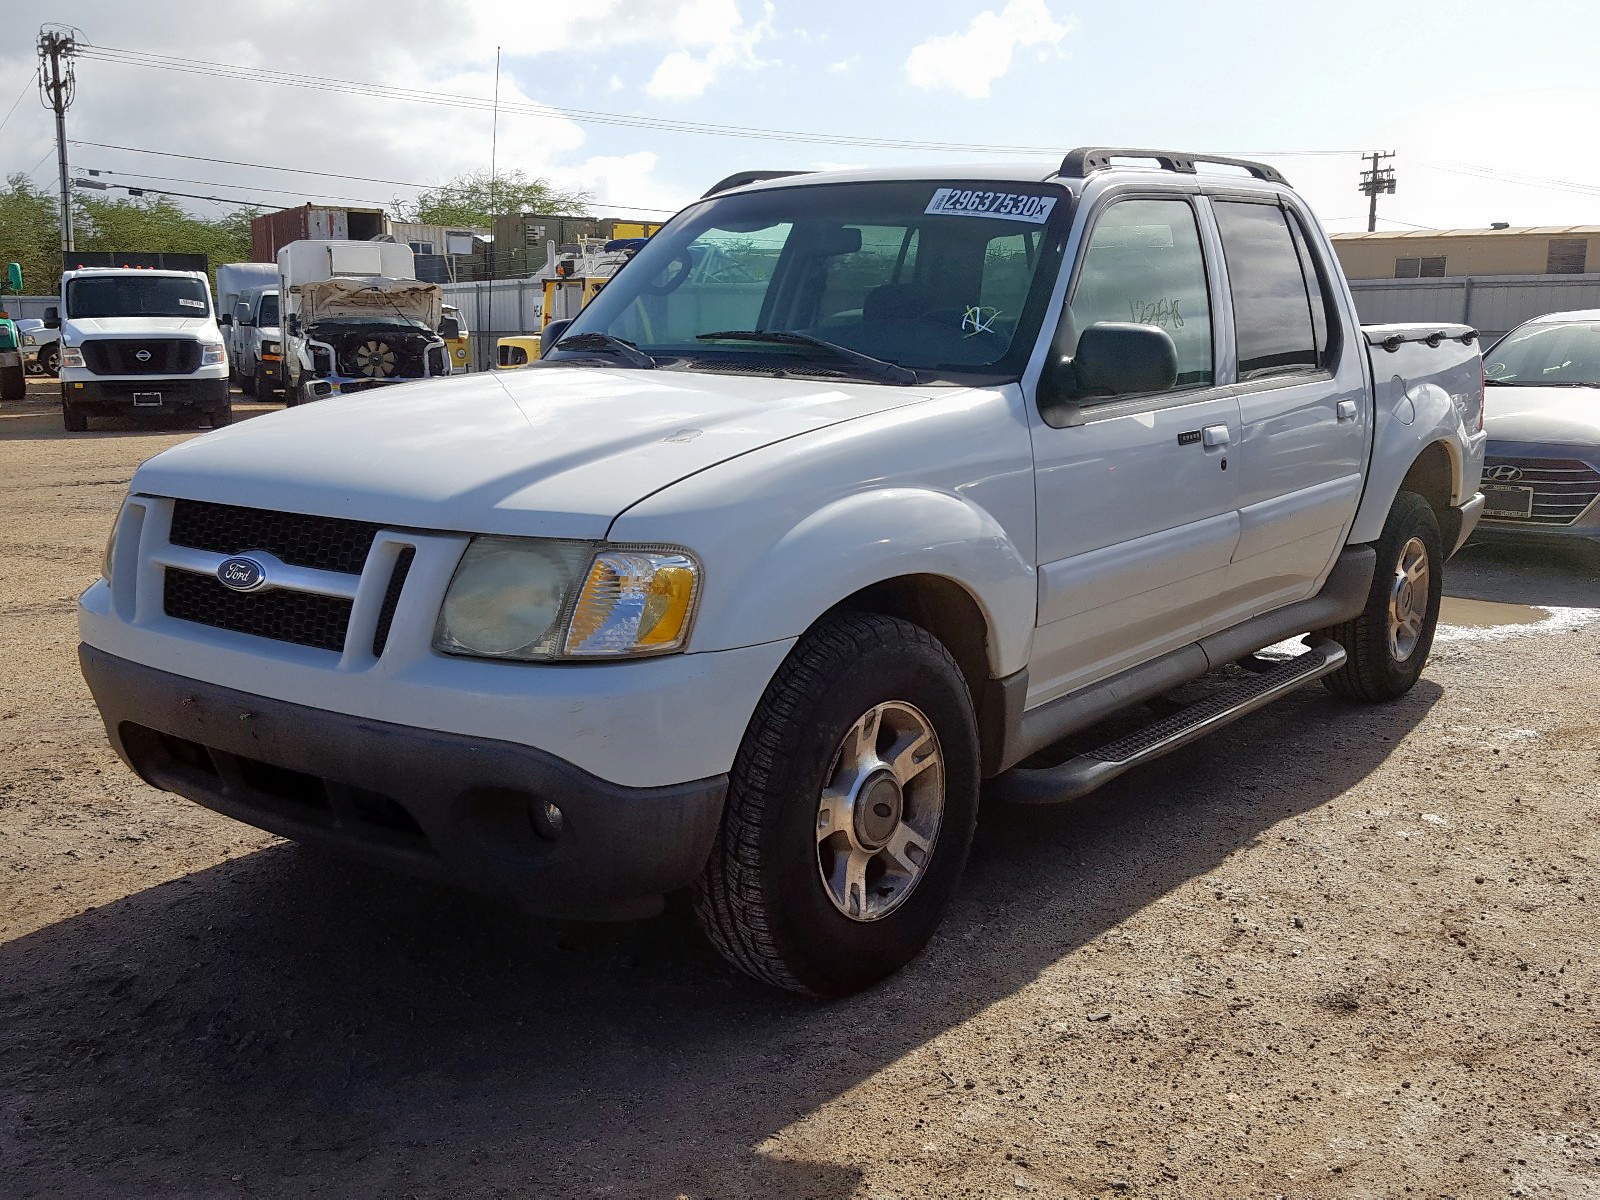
<point>1080,775</point>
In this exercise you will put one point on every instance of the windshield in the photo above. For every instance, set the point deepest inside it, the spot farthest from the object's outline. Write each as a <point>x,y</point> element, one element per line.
<point>1546,355</point>
<point>944,278</point>
<point>137,296</point>
<point>268,312</point>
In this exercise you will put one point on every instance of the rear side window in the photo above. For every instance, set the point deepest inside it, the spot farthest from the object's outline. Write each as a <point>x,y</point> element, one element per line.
<point>1144,264</point>
<point>1272,315</point>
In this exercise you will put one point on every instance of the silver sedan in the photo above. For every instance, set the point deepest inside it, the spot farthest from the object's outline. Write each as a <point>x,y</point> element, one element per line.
<point>1541,474</point>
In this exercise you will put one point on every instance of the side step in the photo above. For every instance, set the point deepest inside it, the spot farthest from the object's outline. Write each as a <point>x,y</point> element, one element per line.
<point>1080,775</point>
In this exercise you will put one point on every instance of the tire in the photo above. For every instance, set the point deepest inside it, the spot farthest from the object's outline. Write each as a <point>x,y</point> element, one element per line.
<point>778,897</point>
<point>222,415</point>
<point>1385,660</point>
<point>247,384</point>
<point>50,360</point>
<point>13,383</point>
<point>74,419</point>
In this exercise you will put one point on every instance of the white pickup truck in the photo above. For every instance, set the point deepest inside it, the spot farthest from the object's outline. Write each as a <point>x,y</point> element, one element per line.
<point>852,491</point>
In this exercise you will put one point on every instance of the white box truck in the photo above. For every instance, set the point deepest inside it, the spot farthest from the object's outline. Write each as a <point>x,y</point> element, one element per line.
<point>238,288</point>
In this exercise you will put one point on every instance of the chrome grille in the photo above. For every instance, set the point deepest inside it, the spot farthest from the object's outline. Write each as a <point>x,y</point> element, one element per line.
<point>1562,487</point>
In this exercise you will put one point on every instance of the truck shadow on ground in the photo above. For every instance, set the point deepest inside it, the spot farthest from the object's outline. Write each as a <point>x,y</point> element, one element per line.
<point>286,1023</point>
<point>38,419</point>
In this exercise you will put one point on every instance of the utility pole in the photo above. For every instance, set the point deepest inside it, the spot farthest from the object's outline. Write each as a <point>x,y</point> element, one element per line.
<point>1376,181</point>
<point>56,85</point>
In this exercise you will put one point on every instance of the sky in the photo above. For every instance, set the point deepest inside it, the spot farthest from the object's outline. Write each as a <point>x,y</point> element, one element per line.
<point>1489,108</point>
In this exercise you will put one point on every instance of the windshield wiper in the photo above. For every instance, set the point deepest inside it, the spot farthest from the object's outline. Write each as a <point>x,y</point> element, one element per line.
<point>878,368</point>
<point>606,344</point>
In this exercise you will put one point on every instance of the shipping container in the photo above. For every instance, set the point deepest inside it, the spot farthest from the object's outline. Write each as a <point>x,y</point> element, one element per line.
<point>271,232</point>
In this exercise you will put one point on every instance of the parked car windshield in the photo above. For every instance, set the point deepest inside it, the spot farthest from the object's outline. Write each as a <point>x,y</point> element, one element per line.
<point>947,278</point>
<point>137,296</point>
<point>1543,355</point>
<point>267,314</point>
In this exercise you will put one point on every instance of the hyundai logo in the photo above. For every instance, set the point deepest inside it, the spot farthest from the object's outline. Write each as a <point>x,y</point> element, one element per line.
<point>142,355</point>
<point>1503,474</point>
<point>241,574</point>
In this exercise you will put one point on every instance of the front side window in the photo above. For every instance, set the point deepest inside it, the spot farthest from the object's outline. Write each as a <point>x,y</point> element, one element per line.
<point>1271,304</point>
<point>946,279</point>
<point>137,296</point>
<point>1144,264</point>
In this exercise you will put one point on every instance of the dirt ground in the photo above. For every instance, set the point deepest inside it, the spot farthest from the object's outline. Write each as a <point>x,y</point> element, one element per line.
<point>1331,952</point>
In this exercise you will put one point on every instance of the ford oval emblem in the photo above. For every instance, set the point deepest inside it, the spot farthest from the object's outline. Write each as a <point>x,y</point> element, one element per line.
<point>241,574</point>
<point>142,355</point>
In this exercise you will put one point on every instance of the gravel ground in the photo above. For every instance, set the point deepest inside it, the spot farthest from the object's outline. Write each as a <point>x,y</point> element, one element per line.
<point>1332,952</point>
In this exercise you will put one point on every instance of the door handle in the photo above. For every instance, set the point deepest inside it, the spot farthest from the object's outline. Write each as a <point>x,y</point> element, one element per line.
<point>1215,435</point>
<point>1347,410</point>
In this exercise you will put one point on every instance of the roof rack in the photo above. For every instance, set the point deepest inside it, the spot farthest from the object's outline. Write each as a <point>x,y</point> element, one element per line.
<point>740,178</point>
<point>1086,160</point>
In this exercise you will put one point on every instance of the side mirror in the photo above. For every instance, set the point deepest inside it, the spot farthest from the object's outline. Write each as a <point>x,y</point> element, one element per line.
<point>552,334</point>
<point>52,317</point>
<point>1113,359</point>
<point>14,277</point>
<point>294,324</point>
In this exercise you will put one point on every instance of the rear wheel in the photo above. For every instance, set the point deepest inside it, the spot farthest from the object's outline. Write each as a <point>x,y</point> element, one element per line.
<point>850,810</point>
<point>13,382</point>
<point>1388,643</point>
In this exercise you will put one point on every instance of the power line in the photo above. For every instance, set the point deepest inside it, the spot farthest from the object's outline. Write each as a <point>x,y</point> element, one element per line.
<point>26,88</point>
<point>229,162</point>
<point>252,187</point>
<point>127,57</point>
<point>1535,181</point>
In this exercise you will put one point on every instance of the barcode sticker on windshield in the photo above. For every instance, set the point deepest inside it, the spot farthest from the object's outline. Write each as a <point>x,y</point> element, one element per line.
<point>187,303</point>
<point>1007,206</point>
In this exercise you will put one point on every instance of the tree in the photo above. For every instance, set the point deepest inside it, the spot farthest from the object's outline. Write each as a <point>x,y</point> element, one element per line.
<point>30,234</point>
<point>476,198</point>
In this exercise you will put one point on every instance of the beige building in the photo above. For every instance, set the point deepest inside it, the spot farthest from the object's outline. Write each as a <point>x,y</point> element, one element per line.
<point>1437,253</point>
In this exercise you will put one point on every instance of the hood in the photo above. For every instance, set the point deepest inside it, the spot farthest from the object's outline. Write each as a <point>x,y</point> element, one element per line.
<point>374,297</point>
<point>550,451</point>
<point>1563,415</point>
<point>138,327</point>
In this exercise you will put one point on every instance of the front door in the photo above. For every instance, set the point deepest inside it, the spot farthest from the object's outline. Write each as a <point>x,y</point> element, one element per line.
<point>1137,519</point>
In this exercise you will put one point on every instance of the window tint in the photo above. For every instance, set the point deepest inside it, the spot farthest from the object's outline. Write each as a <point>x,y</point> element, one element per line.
<point>1271,307</point>
<point>1324,321</point>
<point>1144,264</point>
<point>888,253</point>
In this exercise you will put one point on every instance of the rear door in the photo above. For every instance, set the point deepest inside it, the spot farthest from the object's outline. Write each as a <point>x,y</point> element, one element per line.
<point>1136,515</point>
<point>1304,404</point>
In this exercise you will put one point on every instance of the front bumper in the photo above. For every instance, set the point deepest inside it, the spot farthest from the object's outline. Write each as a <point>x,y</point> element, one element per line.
<point>441,805</point>
<point>1565,482</point>
<point>270,369</point>
<point>120,396</point>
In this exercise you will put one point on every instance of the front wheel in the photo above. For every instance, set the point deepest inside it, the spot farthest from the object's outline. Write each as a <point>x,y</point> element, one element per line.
<point>222,415</point>
<point>13,383</point>
<point>1388,643</point>
<point>50,360</point>
<point>850,810</point>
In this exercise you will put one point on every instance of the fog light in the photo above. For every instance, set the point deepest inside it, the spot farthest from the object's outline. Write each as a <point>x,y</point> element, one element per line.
<point>547,819</point>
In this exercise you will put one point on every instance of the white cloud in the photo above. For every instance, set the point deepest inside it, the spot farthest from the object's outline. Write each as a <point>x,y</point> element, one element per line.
<point>729,42</point>
<point>969,62</point>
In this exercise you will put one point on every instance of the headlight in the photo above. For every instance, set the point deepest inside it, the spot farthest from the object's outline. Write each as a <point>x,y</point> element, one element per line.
<point>212,353</point>
<point>533,599</point>
<point>71,356</point>
<point>633,602</point>
<point>29,340</point>
<point>272,347</point>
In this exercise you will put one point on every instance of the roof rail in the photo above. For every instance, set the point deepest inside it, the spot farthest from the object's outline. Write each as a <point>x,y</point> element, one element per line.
<point>740,178</point>
<point>1086,160</point>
